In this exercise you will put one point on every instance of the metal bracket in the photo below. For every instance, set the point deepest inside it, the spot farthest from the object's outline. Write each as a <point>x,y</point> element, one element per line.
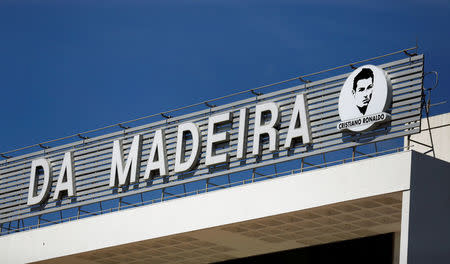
<point>303,80</point>
<point>82,137</point>
<point>256,93</point>
<point>122,126</point>
<point>427,116</point>
<point>166,116</point>
<point>427,111</point>
<point>420,143</point>
<point>409,54</point>
<point>5,156</point>
<point>42,146</point>
<point>436,104</point>
<point>209,105</point>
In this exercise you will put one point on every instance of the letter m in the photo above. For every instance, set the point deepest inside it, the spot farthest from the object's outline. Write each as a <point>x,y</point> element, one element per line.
<point>129,174</point>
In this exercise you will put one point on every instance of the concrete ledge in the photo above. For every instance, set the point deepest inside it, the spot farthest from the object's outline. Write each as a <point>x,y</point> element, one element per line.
<point>366,178</point>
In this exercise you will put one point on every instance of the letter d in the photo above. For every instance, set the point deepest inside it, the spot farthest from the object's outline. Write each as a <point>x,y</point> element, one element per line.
<point>33,197</point>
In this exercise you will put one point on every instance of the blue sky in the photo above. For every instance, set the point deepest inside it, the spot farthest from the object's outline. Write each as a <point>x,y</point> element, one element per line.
<point>71,66</point>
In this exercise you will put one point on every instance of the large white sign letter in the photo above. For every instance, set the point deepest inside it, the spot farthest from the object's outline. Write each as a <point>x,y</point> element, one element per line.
<point>299,126</point>
<point>242,134</point>
<point>158,156</point>
<point>122,175</point>
<point>33,197</point>
<point>181,164</point>
<point>66,179</point>
<point>268,128</point>
<point>215,138</point>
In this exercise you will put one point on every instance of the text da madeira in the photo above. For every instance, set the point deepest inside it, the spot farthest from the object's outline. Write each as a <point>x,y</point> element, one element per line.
<point>124,172</point>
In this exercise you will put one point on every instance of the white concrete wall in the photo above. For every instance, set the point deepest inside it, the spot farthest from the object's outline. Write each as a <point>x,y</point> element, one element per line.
<point>390,173</point>
<point>440,131</point>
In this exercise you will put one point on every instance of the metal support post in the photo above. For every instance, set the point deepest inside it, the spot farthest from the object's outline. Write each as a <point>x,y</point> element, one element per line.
<point>253,175</point>
<point>427,111</point>
<point>353,153</point>
<point>408,143</point>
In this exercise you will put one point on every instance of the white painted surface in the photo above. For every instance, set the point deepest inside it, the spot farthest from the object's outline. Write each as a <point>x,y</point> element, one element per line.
<point>403,254</point>
<point>350,181</point>
<point>440,132</point>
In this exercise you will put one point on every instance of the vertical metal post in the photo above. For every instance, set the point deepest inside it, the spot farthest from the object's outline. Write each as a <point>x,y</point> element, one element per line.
<point>376,147</point>
<point>302,164</point>
<point>78,212</point>
<point>120,203</point>
<point>184,188</point>
<point>142,198</point>
<point>353,153</point>
<point>39,221</point>
<point>275,167</point>
<point>253,175</point>
<point>60,216</point>
<point>207,182</point>
<point>101,207</point>
<point>427,109</point>
<point>162,194</point>
<point>229,181</point>
<point>408,142</point>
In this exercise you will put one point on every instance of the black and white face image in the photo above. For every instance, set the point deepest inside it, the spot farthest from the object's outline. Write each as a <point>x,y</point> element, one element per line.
<point>362,89</point>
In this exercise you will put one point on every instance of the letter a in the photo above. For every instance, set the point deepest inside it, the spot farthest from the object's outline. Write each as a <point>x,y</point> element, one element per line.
<point>68,173</point>
<point>299,126</point>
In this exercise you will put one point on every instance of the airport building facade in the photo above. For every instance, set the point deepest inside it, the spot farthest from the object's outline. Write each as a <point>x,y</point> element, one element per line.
<point>342,168</point>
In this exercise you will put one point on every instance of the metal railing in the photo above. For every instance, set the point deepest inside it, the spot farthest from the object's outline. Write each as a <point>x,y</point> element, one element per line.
<point>83,135</point>
<point>207,189</point>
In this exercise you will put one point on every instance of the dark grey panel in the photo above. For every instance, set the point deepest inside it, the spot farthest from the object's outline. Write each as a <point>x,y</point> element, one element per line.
<point>429,214</point>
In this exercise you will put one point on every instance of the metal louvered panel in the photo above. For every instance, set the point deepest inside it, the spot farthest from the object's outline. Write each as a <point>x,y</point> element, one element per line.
<point>92,157</point>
